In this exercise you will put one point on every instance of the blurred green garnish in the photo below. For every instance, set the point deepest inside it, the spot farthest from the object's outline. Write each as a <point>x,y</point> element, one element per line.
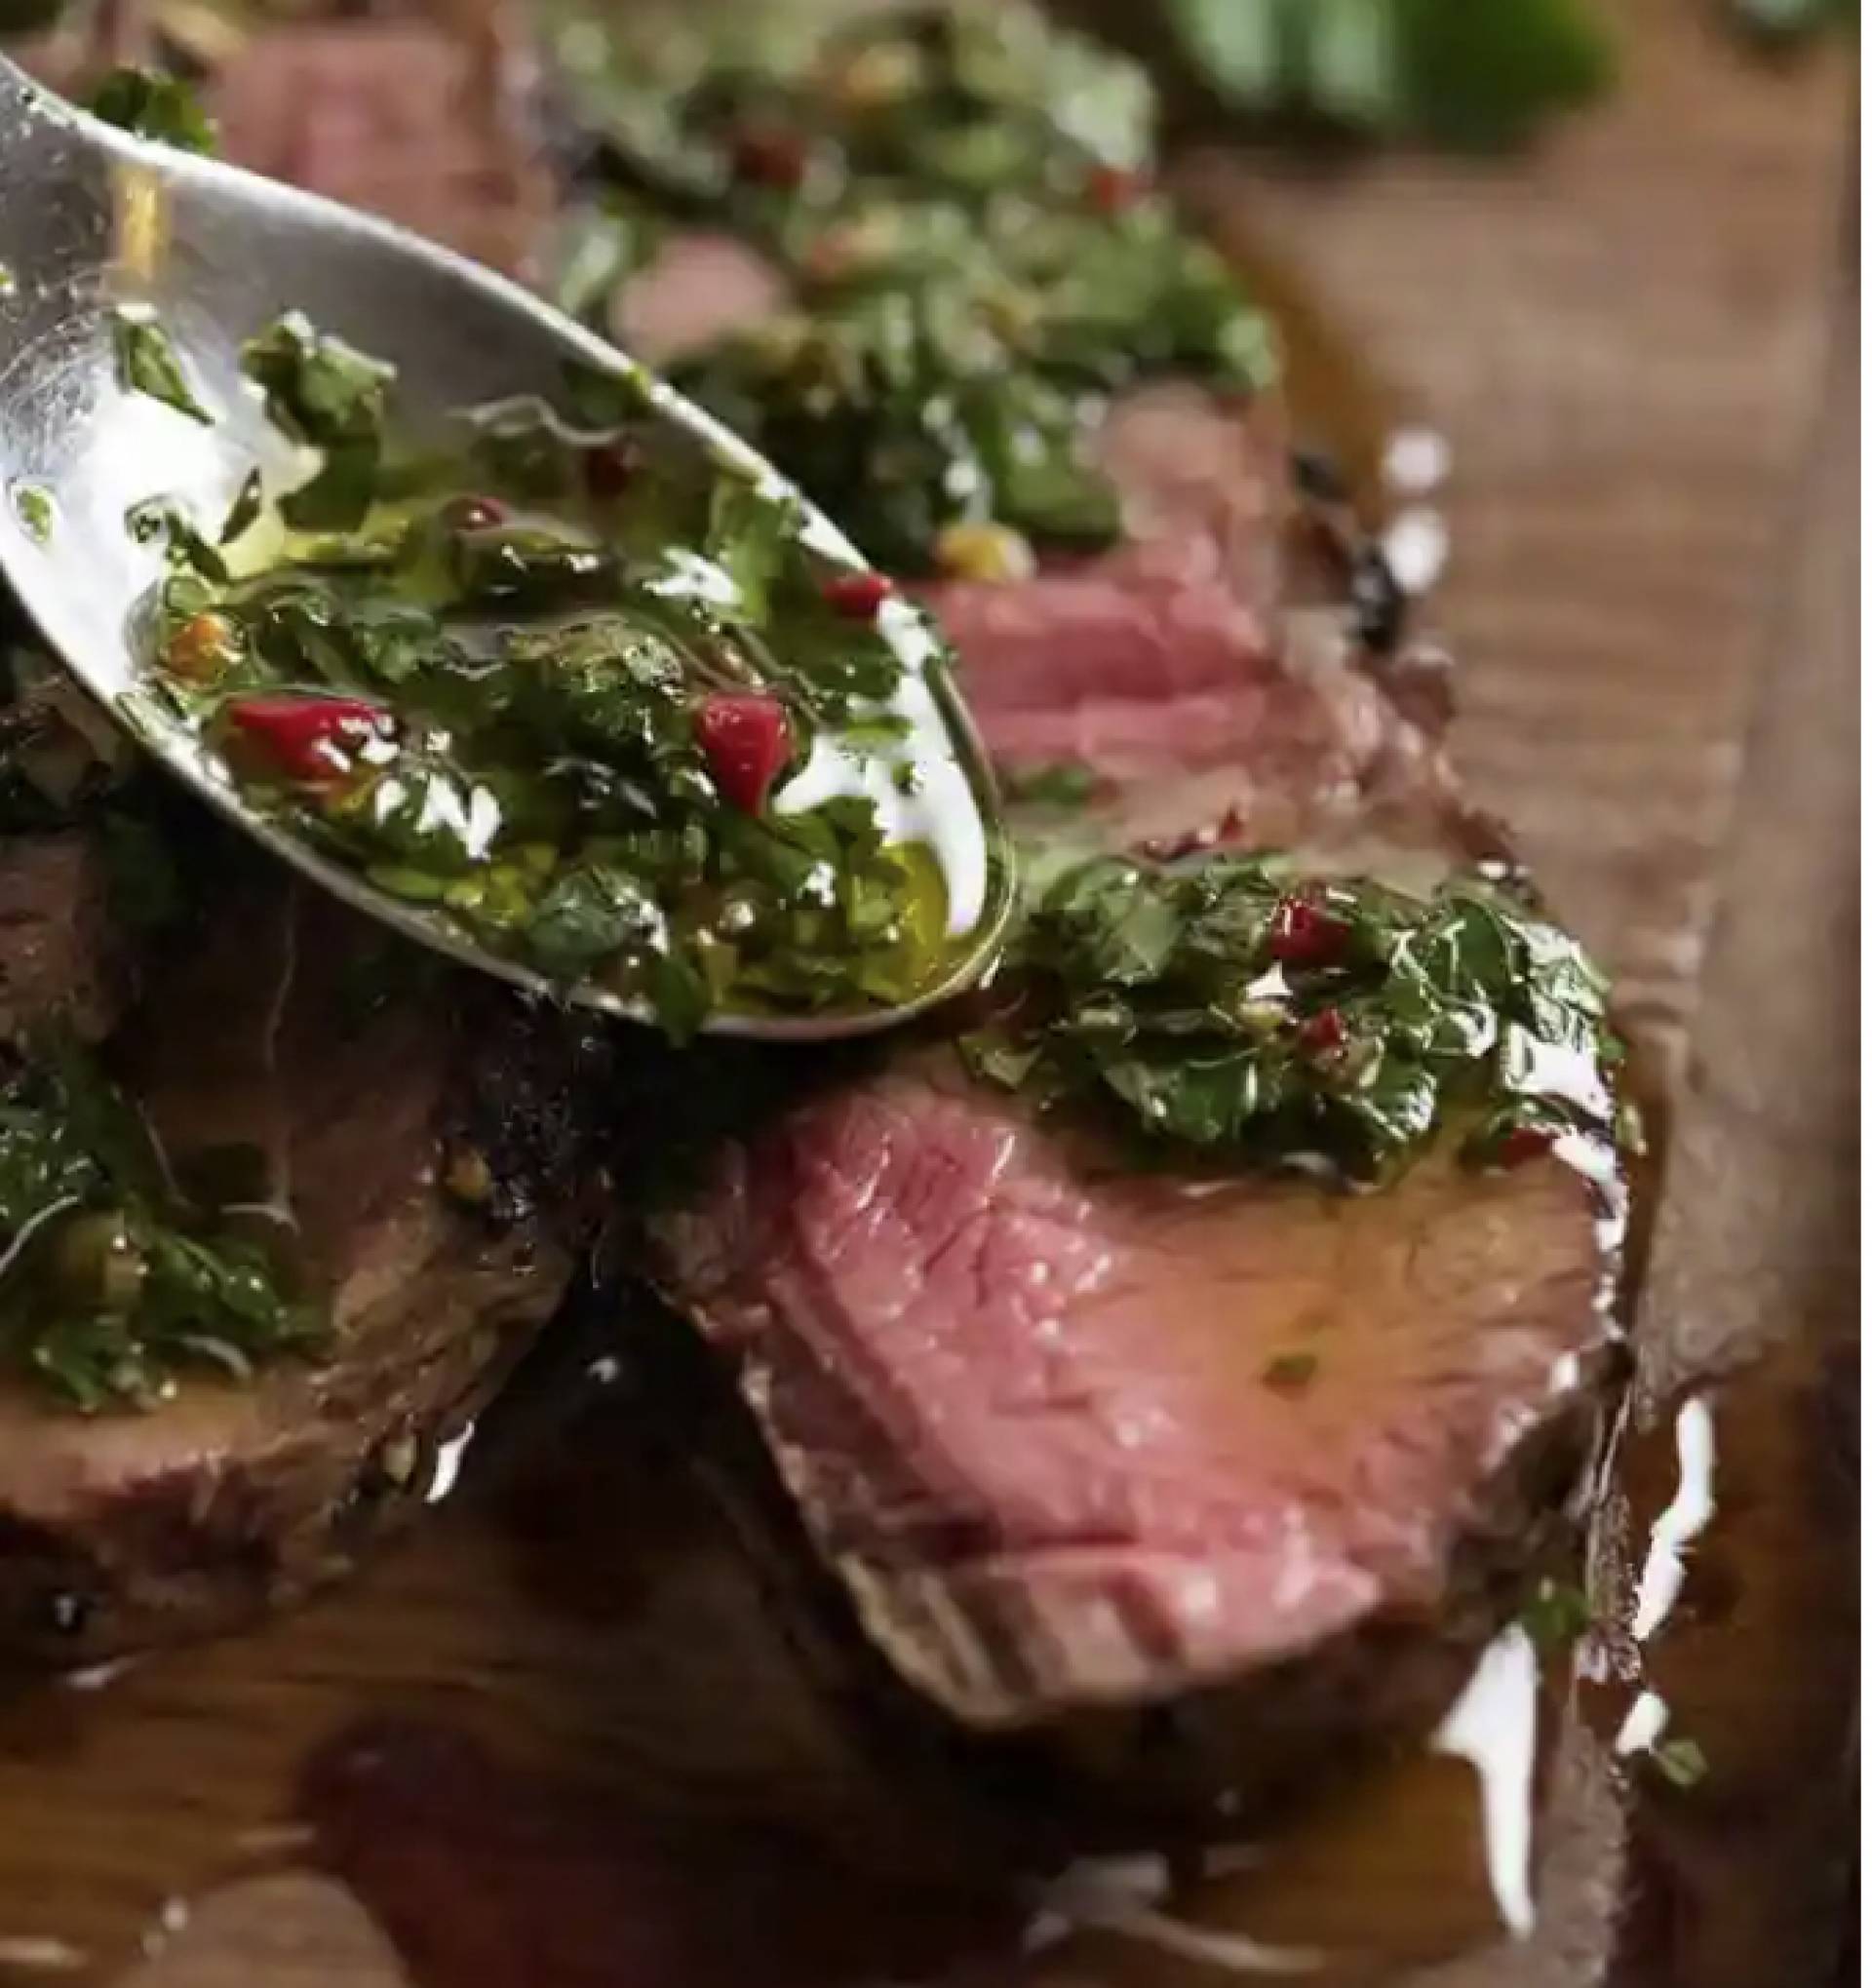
<point>1789,20</point>
<point>1478,75</point>
<point>154,104</point>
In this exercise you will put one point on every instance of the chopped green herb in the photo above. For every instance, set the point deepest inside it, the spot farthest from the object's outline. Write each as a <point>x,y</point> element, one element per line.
<point>318,388</point>
<point>154,104</point>
<point>1290,1373</point>
<point>1556,1615</point>
<point>1681,1762</point>
<point>605,397</point>
<point>1219,1002</point>
<point>33,507</point>
<point>111,1284</point>
<point>1476,78</point>
<point>559,729</point>
<point>597,245</point>
<point>156,517</point>
<point>147,364</point>
<point>246,508</point>
<point>322,392</point>
<point>1053,783</point>
<point>959,198</point>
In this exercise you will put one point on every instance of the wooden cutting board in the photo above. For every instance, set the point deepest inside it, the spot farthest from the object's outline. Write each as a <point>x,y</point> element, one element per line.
<point>497,1745</point>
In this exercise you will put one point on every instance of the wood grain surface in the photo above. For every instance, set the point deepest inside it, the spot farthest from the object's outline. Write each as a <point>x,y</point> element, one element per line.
<point>1623,337</point>
<point>1625,340</point>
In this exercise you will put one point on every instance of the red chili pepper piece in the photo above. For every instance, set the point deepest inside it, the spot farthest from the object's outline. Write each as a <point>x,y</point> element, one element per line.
<point>308,738</point>
<point>1322,1032</point>
<point>610,467</point>
<point>474,514</point>
<point>769,156</point>
<point>1521,1144</point>
<point>1303,935</point>
<point>1110,190</point>
<point>743,736</point>
<point>856,596</point>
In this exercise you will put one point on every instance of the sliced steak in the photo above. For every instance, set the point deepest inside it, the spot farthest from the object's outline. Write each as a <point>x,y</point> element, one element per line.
<point>1075,1436</point>
<point>700,287</point>
<point>407,118</point>
<point>1035,1410</point>
<point>262,1058</point>
<point>60,954</point>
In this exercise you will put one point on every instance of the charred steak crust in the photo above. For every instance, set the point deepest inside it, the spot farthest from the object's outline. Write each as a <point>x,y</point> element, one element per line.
<point>61,953</point>
<point>260,1044</point>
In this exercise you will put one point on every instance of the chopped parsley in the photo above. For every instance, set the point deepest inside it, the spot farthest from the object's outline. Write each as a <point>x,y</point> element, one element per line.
<point>1681,1762</point>
<point>1474,78</point>
<point>325,393</point>
<point>32,505</point>
<point>1221,1004</point>
<point>1556,1615</point>
<point>249,501</point>
<point>113,1286</point>
<point>154,104</point>
<point>958,197</point>
<point>156,520</point>
<point>147,364</point>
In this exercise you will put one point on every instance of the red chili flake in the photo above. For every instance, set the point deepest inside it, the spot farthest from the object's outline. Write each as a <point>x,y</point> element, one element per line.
<point>1303,935</point>
<point>856,596</point>
<point>609,468</point>
<point>1521,1144</point>
<point>769,155</point>
<point>743,736</point>
<point>474,514</point>
<point>1110,190</point>
<point>308,738</point>
<point>1322,1032</point>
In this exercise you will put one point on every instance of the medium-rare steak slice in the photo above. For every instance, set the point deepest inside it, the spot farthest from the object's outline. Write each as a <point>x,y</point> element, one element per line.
<point>369,1120</point>
<point>417,119</point>
<point>1074,1435</point>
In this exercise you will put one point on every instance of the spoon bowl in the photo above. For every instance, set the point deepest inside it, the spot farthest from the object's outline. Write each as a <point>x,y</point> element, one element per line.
<point>95,222</point>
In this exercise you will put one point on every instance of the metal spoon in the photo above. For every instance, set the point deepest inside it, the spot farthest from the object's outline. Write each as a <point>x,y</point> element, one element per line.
<point>92,219</point>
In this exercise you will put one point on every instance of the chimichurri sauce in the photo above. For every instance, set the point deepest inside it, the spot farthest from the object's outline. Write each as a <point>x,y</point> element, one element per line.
<point>960,202</point>
<point>1232,1006</point>
<point>552,684</point>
